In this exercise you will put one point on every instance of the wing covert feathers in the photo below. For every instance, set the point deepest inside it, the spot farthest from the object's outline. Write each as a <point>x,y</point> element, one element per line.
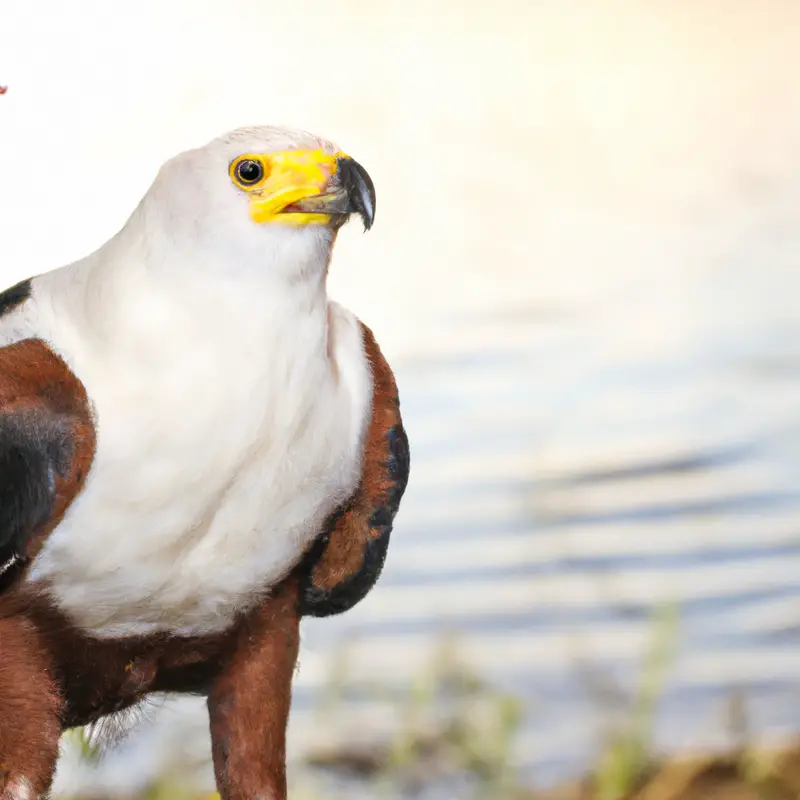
<point>47,443</point>
<point>347,560</point>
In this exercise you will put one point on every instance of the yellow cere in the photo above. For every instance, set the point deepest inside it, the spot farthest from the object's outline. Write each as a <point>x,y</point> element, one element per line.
<point>289,176</point>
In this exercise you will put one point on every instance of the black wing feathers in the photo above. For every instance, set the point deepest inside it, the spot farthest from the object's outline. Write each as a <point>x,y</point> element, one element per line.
<point>34,448</point>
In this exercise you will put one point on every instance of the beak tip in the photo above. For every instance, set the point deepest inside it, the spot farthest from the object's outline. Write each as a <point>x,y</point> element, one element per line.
<point>360,190</point>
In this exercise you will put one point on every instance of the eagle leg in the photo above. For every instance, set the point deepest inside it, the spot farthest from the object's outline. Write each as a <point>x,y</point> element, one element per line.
<point>344,564</point>
<point>30,709</point>
<point>249,701</point>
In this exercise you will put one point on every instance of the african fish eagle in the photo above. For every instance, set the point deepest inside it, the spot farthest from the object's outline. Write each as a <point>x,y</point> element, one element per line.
<point>197,448</point>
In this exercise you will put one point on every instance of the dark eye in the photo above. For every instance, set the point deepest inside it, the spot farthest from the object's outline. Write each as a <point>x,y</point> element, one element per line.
<point>249,172</point>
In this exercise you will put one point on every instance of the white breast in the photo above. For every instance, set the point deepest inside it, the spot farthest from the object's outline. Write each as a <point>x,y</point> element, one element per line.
<point>221,449</point>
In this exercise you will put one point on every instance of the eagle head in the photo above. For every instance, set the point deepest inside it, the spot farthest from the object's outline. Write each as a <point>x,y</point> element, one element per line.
<point>257,191</point>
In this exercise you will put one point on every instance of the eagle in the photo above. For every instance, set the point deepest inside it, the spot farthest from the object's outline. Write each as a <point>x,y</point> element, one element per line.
<point>198,447</point>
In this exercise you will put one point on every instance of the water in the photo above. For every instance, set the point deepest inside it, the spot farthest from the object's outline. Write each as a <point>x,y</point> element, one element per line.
<point>564,492</point>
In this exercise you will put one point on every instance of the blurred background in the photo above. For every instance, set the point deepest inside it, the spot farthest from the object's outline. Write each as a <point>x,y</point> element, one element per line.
<point>584,271</point>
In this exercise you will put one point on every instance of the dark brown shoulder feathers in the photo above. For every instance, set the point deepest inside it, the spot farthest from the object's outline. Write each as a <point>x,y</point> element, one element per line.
<point>47,443</point>
<point>346,562</point>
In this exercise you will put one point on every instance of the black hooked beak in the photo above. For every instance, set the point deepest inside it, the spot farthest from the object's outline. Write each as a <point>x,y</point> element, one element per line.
<point>357,185</point>
<point>350,191</point>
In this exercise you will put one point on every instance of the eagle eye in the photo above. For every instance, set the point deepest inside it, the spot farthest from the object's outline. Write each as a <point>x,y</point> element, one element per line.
<point>249,172</point>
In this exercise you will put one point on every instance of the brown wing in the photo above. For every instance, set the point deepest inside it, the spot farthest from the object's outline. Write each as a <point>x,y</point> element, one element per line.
<point>47,443</point>
<point>347,560</point>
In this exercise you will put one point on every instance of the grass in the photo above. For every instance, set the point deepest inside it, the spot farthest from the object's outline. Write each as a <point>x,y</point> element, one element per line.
<point>629,754</point>
<point>455,735</point>
<point>451,725</point>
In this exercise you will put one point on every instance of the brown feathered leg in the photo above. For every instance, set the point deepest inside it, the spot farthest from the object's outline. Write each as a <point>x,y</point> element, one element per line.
<point>30,705</point>
<point>249,702</point>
